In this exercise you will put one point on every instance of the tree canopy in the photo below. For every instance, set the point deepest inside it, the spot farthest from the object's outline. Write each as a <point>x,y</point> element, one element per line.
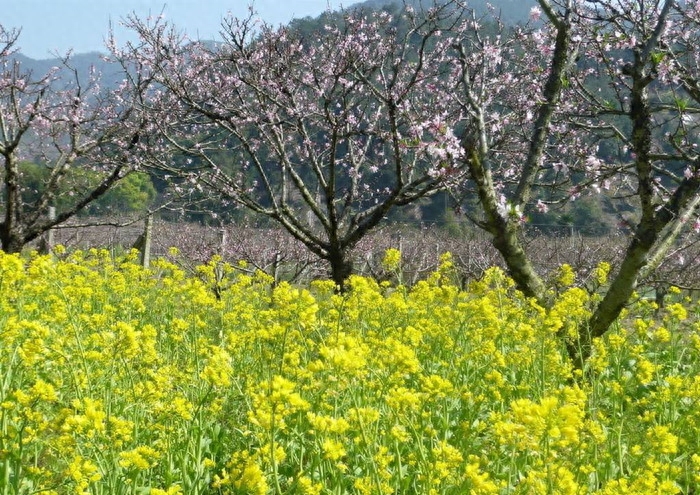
<point>324,132</point>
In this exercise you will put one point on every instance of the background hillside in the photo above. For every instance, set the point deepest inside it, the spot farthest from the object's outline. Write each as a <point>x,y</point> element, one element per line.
<point>511,11</point>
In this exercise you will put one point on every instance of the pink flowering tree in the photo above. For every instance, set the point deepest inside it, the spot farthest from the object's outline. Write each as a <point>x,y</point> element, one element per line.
<point>324,133</point>
<point>79,140</point>
<point>535,105</point>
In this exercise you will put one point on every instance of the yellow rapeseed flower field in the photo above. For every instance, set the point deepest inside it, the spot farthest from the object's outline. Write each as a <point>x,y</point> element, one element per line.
<point>115,379</point>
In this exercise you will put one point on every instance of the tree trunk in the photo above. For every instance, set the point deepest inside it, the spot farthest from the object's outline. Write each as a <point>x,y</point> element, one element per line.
<point>341,267</point>
<point>504,232</point>
<point>650,225</point>
<point>10,241</point>
<point>647,231</point>
<point>615,298</point>
<point>519,266</point>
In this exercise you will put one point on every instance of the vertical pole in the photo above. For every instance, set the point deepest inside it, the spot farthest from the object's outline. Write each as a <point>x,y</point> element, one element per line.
<point>223,240</point>
<point>50,235</point>
<point>276,267</point>
<point>572,236</point>
<point>146,249</point>
<point>46,241</point>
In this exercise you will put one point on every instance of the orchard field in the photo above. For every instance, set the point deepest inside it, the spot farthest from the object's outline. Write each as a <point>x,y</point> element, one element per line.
<point>115,379</point>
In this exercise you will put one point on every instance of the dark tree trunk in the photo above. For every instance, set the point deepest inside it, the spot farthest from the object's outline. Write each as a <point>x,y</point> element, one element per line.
<point>653,218</point>
<point>341,268</point>
<point>10,241</point>
<point>615,298</point>
<point>519,265</point>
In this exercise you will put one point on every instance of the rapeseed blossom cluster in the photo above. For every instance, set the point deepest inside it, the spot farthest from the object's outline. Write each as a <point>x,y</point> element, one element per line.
<point>118,380</point>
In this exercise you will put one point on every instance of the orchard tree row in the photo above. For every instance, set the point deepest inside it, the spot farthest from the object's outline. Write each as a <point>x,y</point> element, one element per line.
<point>326,131</point>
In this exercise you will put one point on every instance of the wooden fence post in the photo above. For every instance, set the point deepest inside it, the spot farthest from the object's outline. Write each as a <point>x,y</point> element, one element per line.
<point>47,241</point>
<point>147,237</point>
<point>223,240</point>
<point>50,240</point>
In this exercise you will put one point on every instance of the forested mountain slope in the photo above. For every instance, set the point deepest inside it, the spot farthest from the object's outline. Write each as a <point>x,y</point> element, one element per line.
<point>510,10</point>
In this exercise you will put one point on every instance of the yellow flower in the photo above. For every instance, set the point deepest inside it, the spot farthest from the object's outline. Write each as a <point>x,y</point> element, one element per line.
<point>569,310</point>
<point>173,490</point>
<point>120,430</point>
<point>44,391</point>
<point>327,424</point>
<point>479,483</point>
<point>363,416</point>
<point>34,348</point>
<point>141,458</point>
<point>553,420</point>
<point>399,433</point>
<point>89,418</point>
<point>275,400</point>
<point>83,472</point>
<point>244,474</point>
<point>554,480</point>
<point>566,276</point>
<point>333,450</point>
<point>392,260</point>
<point>601,272</point>
<point>125,340</point>
<point>676,312</point>
<point>446,460</point>
<point>365,485</point>
<point>435,386</point>
<point>645,371</point>
<point>662,335</point>
<point>267,452</point>
<point>662,440</point>
<point>402,399</point>
<point>347,355</point>
<point>308,487</point>
<point>695,463</point>
<point>218,370</point>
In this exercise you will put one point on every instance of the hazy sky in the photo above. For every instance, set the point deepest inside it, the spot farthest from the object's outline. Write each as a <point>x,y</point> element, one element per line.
<point>50,26</point>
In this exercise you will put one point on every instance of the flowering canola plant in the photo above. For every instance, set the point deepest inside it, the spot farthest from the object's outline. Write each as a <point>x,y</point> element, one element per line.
<point>115,379</point>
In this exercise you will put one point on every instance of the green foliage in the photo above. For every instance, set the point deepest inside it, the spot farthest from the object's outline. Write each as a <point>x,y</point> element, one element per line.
<point>134,193</point>
<point>33,178</point>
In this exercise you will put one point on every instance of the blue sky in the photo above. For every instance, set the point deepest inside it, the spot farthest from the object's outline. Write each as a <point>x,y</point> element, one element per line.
<point>50,26</point>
